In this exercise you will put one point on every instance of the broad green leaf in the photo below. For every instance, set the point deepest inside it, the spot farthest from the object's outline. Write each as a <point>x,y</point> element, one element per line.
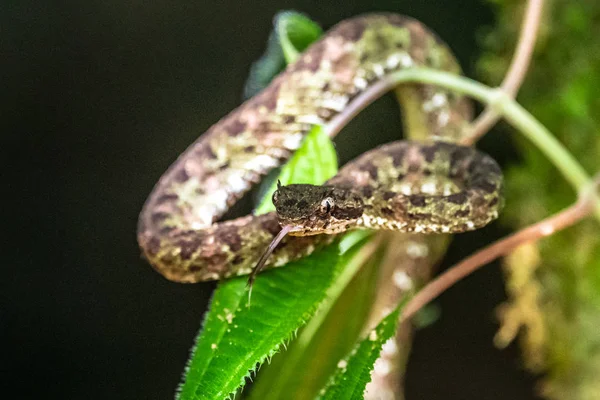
<point>226,299</point>
<point>292,33</point>
<point>329,335</point>
<point>236,338</point>
<point>354,372</point>
<point>313,163</point>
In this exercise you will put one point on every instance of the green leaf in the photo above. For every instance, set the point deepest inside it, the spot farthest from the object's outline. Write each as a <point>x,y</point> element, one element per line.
<point>292,34</point>
<point>329,335</point>
<point>265,68</point>
<point>313,163</point>
<point>235,337</point>
<point>354,372</point>
<point>296,32</point>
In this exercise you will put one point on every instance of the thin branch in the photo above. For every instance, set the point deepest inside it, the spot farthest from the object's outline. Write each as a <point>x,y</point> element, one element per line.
<point>582,208</point>
<point>520,63</point>
<point>516,72</point>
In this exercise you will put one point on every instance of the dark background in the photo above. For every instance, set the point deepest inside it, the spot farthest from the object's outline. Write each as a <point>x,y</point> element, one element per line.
<point>99,97</point>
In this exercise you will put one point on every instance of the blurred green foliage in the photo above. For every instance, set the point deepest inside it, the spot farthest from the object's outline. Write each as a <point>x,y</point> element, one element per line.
<point>555,291</point>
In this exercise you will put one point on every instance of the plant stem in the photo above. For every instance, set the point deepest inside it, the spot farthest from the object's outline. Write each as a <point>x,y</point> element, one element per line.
<point>516,72</point>
<point>546,142</point>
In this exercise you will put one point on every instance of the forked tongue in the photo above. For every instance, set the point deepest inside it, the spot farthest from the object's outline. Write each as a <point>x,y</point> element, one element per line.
<point>263,259</point>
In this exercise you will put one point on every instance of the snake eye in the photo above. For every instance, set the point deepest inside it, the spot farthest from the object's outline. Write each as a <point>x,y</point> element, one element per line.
<point>274,197</point>
<point>327,204</point>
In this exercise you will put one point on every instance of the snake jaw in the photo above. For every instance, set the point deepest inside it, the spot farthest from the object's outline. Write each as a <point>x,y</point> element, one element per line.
<point>323,229</point>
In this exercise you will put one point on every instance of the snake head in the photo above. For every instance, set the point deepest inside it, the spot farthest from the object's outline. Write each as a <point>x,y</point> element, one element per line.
<point>311,210</point>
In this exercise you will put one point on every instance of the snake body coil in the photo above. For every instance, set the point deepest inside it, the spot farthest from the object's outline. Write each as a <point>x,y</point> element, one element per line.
<point>426,187</point>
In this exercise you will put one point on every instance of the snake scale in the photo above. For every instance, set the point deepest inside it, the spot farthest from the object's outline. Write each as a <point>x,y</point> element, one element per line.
<point>431,186</point>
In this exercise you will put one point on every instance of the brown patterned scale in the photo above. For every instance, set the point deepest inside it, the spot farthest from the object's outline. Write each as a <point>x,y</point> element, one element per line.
<point>429,187</point>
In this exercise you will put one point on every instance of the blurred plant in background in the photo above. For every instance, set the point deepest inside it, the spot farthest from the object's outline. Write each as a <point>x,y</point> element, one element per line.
<point>554,284</point>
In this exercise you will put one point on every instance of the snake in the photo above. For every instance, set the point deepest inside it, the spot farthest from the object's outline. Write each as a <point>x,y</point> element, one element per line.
<point>430,185</point>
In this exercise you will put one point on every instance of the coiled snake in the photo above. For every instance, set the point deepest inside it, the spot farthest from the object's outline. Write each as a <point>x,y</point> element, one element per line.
<point>432,186</point>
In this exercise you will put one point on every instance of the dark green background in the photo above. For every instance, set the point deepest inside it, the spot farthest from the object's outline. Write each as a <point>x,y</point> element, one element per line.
<point>99,97</point>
